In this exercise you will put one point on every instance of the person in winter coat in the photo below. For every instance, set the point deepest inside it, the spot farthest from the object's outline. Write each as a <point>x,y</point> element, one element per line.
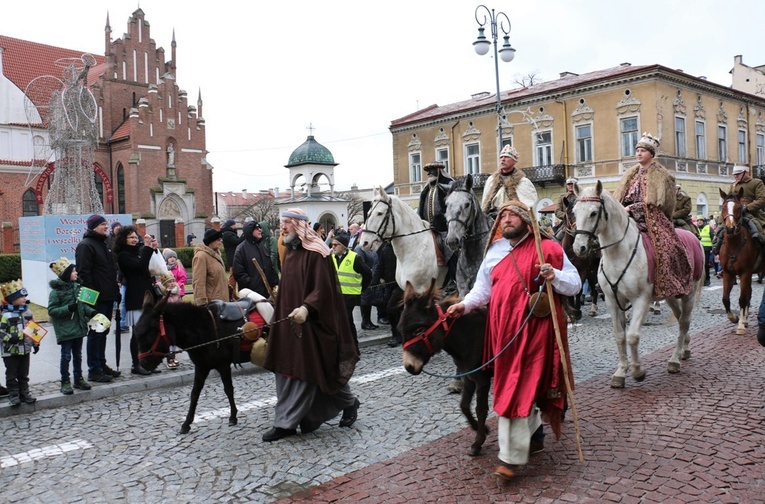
<point>133,259</point>
<point>96,271</point>
<point>209,280</point>
<point>255,247</point>
<point>231,241</point>
<point>70,322</point>
<point>17,346</point>
<point>175,267</point>
<point>273,247</point>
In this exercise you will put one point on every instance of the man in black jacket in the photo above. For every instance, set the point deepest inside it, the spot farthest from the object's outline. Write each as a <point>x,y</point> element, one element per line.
<point>254,248</point>
<point>231,241</point>
<point>96,270</point>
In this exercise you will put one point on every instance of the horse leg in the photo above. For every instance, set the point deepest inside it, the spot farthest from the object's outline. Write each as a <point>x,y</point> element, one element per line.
<point>728,279</point>
<point>228,388</point>
<point>483,385</point>
<point>200,375</point>
<point>593,280</point>
<point>679,310</point>
<point>619,320</point>
<point>639,314</point>
<point>745,295</point>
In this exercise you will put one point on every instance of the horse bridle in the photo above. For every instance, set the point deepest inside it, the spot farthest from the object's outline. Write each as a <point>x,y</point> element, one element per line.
<point>424,336</point>
<point>473,217</point>
<point>389,218</point>
<point>591,234</point>
<point>161,337</point>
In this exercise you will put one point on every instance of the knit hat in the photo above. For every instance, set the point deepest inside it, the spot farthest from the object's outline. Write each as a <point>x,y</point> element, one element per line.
<point>114,225</point>
<point>94,221</point>
<point>508,151</point>
<point>11,291</point>
<point>62,268</point>
<point>168,253</point>
<point>211,235</point>
<point>229,223</point>
<point>649,143</point>
<point>342,238</point>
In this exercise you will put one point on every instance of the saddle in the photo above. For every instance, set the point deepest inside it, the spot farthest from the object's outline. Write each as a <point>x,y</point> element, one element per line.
<point>233,311</point>
<point>438,242</point>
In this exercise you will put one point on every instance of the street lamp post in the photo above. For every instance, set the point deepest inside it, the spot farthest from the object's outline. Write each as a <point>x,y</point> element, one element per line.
<point>481,45</point>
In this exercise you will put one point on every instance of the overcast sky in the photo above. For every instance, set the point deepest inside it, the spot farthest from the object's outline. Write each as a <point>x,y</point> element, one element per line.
<point>267,70</point>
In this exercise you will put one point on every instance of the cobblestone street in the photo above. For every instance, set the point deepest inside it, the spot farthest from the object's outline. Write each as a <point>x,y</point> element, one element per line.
<point>695,436</point>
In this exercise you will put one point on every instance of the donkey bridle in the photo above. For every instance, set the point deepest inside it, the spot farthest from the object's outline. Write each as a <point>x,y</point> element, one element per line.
<point>425,335</point>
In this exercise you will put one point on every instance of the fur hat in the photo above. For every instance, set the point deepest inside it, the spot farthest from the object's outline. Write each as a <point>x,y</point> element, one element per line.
<point>649,143</point>
<point>740,169</point>
<point>94,221</point>
<point>62,268</point>
<point>13,290</point>
<point>434,165</point>
<point>508,151</point>
<point>342,238</point>
<point>211,235</point>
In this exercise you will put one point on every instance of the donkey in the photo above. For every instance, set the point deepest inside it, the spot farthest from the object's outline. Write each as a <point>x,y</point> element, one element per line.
<point>210,340</point>
<point>426,332</point>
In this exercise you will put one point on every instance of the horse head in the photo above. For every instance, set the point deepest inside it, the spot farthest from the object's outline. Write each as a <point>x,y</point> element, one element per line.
<point>590,216</point>
<point>149,332</point>
<point>379,224</point>
<point>417,318</point>
<point>462,209</point>
<point>731,210</point>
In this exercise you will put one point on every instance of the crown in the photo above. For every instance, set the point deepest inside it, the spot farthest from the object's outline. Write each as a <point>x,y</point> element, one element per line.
<point>11,288</point>
<point>508,151</point>
<point>166,278</point>
<point>650,140</point>
<point>60,266</point>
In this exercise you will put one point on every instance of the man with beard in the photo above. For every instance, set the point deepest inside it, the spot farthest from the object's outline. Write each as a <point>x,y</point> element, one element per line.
<point>313,355</point>
<point>432,209</point>
<point>507,184</point>
<point>528,375</point>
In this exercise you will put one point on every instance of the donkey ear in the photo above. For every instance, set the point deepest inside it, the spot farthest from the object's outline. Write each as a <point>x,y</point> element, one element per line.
<point>148,300</point>
<point>408,292</point>
<point>429,293</point>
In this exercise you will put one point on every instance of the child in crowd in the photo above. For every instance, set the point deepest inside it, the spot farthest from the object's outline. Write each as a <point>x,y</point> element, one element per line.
<point>176,268</point>
<point>17,346</point>
<point>69,318</point>
<point>168,287</point>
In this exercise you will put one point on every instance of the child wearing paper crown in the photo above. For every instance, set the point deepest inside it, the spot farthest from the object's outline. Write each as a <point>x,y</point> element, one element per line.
<point>17,346</point>
<point>70,322</point>
<point>169,287</point>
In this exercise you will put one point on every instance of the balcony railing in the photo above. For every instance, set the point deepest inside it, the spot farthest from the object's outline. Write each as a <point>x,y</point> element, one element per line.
<point>549,174</point>
<point>759,171</point>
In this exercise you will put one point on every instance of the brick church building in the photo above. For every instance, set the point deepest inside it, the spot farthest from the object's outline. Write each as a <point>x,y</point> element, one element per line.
<point>151,155</point>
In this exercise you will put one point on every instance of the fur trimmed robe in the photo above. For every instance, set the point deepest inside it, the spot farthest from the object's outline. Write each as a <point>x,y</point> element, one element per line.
<point>659,187</point>
<point>515,186</point>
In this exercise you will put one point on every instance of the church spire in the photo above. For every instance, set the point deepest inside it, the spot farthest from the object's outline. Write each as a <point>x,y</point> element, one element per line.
<point>199,103</point>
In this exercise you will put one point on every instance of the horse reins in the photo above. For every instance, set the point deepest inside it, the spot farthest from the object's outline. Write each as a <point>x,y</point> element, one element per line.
<point>383,227</point>
<point>473,217</point>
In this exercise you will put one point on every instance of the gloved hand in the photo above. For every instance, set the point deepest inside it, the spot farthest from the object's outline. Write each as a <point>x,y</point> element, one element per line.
<point>73,307</point>
<point>299,315</point>
<point>35,348</point>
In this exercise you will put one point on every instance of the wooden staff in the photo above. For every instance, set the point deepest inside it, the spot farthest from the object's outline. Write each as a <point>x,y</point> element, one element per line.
<point>558,338</point>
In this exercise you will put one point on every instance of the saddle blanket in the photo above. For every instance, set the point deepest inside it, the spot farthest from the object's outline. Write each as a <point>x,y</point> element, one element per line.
<point>691,244</point>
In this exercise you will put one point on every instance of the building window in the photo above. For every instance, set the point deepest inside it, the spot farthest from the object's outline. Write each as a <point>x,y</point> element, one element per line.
<point>680,136</point>
<point>584,143</point>
<point>121,189</point>
<point>415,167</point>
<point>722,143</point>
<point>701,141</point>
<point>29,204</point>
<point>742,155</point>
<point>629,131</point>
<point>442,156</point>
<point>472,159</point>
<point>506,141</point>
<point>760,149</point>
<point>543,148</point>
<point>702,205</point>
<point>99,186</point>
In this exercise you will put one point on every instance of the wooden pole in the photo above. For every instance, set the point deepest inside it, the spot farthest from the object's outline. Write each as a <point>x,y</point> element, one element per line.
<point>558,338</point>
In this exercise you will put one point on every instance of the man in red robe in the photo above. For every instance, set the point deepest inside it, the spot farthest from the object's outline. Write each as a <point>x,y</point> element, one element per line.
<point>313,355</point>
<point>528,371</point>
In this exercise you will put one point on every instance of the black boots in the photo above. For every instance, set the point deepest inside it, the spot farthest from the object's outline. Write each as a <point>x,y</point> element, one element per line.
<point>366,319</point>
<point>761,335</point>
<point>25,395</point>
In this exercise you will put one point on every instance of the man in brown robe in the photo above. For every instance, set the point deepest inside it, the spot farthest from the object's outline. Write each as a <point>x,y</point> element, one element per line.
<point>313,355</point>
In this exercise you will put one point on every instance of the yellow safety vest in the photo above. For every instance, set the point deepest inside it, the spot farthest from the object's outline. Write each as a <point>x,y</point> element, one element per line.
<point>350,281</point>
<point>706,236</point>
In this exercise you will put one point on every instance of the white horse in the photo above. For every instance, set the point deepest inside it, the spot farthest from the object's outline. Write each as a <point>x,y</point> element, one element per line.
<point>623,277</point>
<point>392,220</point>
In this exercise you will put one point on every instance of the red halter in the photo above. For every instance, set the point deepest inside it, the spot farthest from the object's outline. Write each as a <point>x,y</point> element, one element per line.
<point>423,336</point>
<point>161,336</point>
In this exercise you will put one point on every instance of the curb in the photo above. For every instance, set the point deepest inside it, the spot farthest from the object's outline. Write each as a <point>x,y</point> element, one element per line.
<point>170,379</point>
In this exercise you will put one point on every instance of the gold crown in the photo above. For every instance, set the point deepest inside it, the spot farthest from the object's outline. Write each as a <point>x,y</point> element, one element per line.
<point>60,266</point>
<point>12,287</point>
<point>166,278</point>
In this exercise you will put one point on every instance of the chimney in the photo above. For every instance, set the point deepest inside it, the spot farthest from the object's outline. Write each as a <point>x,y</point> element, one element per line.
<point>625,64</point>
<point>568,74</point>
<point>244,193</point>
<point>738,60</point>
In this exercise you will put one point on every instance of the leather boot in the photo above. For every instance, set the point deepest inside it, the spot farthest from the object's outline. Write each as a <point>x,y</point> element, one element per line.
<point>13,395</point>
<point>25,395</point>
<point>761,335</point>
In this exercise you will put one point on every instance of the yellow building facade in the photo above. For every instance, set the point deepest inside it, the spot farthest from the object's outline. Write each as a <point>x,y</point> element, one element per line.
<point>586,126</point>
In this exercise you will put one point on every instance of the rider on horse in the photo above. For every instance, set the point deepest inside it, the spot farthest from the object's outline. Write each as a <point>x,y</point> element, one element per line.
<point>562,209</point>
<point>432,209</point>
<point>682,213</point>
<point>507,184</point>
<point>647,190</point>
<point>753,201</point>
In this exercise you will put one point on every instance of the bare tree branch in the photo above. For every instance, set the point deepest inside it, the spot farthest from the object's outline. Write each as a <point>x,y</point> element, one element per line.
<point>529,79</point>
<point>355,205</point>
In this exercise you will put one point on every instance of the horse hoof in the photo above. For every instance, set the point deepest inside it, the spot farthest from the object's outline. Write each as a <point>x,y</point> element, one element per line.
<point>475,451</point>
<point>185,429</point>
<point>639,377</point>
<point>740,332</point>
<point>233,422</point>
<point>686,355</point>
<point>733,319</point>
<point>673,367</point>
<point>593,313</point>
<point>617,382</point>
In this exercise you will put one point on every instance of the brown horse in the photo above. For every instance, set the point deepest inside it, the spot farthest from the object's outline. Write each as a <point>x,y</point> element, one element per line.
<point>739,256</point>
<point>586,265</point>
<point>426,332</point>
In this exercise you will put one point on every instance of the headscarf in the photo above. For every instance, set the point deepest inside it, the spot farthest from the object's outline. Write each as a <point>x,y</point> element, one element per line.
<point>310,239</point>
<point>519,209</point>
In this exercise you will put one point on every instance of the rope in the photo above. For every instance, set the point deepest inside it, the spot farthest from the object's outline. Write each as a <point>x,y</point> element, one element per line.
<point>235,335</point>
